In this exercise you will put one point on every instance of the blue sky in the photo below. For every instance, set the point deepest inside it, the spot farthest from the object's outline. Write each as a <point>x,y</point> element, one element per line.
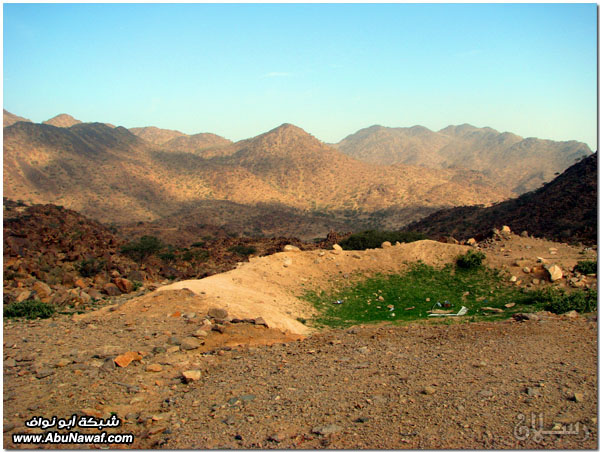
<point>242,69</point>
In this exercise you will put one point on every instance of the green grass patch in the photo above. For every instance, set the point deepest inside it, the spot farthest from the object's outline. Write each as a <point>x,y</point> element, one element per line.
<point>408,296</point>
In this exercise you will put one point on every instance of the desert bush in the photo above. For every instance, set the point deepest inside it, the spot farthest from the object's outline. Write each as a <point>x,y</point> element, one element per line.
<point>197,245</point>
<point>471,259</point>
<point>144,247</point>
<point>197,255</point>
<point>30,309</point>
<point>242,250</point>
<point>89,268</point>
<point>167,256</point>
<point>374,238</point>
<point>586,267</point>
<point>559,302</point>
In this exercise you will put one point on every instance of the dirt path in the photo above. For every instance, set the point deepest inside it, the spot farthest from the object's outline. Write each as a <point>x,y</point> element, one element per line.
<point>389,386</point>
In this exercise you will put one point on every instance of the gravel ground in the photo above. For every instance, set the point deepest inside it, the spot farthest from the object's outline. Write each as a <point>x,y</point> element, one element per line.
<point>387,386</point>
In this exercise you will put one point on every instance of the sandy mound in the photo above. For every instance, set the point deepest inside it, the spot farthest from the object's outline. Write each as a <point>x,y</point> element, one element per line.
<point>268,287</point>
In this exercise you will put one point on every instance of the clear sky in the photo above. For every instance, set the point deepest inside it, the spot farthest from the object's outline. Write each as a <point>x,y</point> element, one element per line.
<point>238,70</point>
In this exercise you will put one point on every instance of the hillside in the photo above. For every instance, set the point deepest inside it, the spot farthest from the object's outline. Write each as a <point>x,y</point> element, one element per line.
<point>564,209</point>
<point>523,164</point>
<point>10,119</point>
<point>112,175</point>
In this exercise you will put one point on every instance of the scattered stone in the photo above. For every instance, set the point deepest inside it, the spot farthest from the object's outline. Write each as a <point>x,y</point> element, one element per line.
<point>326,429</point>
<point>571,314</point>
<point>513,279</point>
<point>63,362</point>
<point>158,350</point>
<point>191,375</point>
<point>24,295</point>
<point>202,333</point>
<point>44,372</point>
<point>428,390</point>
<point>509,305</point>
<point>505,230</point>
<point>42,289</point>
<point>10,362</point>
<point>125,359</point>
<point>154,368</point>
<point>260,321</point>
<point>108,365</point>
<point>480,364</point>
<point>287,262</point>
<point>490,309</point>
<point>554,272</point>
<point>337,247</point>
<point>526,270</point>
<point>533,392</point>
<point>362,419</point>
<point>174,340</point>
<point>471,241</point>
<point>386,244</point>
<point>229,420</point>
<point>524,234</point>
<point>521,316</point>
<point>276,438</point>
<point>219,328</point>
<point>577,397</point>
<point>190,343</point>
<point>486,393</point>
<point>291,248</point>
<point>217,313</point>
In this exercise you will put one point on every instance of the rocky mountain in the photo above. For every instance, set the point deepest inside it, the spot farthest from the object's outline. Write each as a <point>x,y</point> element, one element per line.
<point>564,209</point>
<point>156,135</point>
<point>175,141</point>
<point>10,119</point>
<point>523,164</point>
<point>113,175</point>
<point>62,120</point>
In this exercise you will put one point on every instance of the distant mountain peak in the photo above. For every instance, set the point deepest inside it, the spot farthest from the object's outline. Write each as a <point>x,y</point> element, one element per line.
<point>62,120</point>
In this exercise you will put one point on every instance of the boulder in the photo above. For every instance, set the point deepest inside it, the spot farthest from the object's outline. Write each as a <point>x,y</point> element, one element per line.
<point>42,289</point>
<point>124,285</point>
<point>217,313</point>
<point>291,248</point>
<point>111,290</point>
<point>554,272</point>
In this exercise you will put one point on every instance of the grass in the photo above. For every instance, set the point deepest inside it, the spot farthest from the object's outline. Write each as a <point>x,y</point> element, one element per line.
<point>29,309</point>
<point>451,287</point>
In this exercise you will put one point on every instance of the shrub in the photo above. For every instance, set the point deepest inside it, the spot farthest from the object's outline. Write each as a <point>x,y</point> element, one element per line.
<point>144,247</point>
<point>198,255</point>
<point>586,267</point>
<point>90,267</point>
<point>168,256</point>
<point>374,238</point>
<point>559,302</point>
<point>30,309</point>
<point>197,244</point>
<point>472,259</point>
<point>242,250</point>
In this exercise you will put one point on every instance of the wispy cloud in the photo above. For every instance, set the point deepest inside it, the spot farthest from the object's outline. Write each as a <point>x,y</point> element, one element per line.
<point>278,74</point>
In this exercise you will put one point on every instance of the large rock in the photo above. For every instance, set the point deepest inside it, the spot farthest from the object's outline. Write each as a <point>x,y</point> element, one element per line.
<point>124,285</point>
<point>42,289</point>
<point>554,272</point>
<point>217,313</point>
<point>291,248</point>
<point>111,290</point>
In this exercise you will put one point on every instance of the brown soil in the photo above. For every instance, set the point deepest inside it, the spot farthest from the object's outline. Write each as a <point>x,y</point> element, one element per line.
<point>422,385</point>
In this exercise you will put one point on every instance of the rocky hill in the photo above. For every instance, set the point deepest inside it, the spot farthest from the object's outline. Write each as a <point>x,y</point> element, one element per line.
<point>62,120</point>
<point>112,175</point>
<point>564,209</point>
<point>522,164</point>
<point>10,119</point>
<point>63,258</point>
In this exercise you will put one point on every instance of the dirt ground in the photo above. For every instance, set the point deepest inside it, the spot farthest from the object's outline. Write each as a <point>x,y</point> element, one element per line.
<point>281,385</point>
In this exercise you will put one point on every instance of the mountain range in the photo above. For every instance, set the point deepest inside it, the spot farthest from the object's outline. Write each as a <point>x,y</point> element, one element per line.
<point>523,164</point>
<point>148,174</point>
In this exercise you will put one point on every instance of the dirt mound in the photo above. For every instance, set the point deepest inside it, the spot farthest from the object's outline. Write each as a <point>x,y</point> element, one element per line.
<point>269,286</point>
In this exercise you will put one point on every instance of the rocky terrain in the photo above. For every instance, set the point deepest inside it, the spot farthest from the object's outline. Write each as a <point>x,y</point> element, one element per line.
<point>65,259</point>
<point>564,209</point>
<point>189,368</point>
<point>520,164</point>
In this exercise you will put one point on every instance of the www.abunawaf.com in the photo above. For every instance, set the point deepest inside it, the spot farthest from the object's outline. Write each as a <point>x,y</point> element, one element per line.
<point>72,438</point>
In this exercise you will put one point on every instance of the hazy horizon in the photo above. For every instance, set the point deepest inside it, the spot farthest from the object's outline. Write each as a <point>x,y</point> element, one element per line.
<point>332,69</point>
